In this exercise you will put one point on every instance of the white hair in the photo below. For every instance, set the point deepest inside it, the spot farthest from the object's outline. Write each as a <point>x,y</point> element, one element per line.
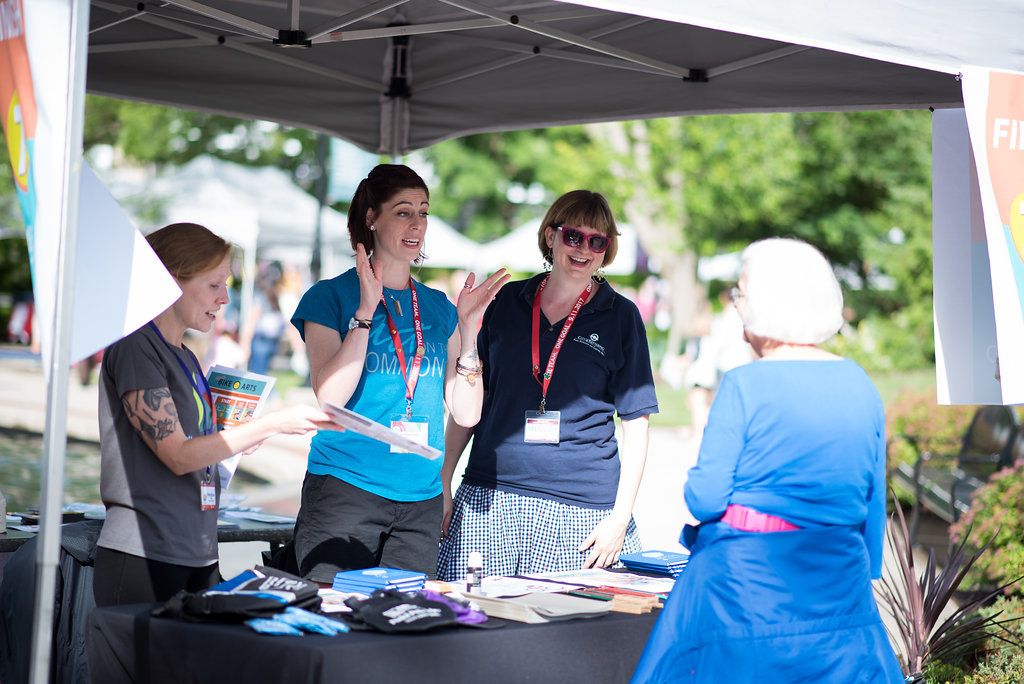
<point>791,294</point>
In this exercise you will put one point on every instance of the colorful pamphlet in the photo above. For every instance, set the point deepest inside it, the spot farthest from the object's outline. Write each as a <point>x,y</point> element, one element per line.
<point>238,397</point>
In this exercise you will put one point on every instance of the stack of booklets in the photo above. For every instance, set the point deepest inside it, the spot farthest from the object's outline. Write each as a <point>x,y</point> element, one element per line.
<point>367,580</point>
<point>663,562</point>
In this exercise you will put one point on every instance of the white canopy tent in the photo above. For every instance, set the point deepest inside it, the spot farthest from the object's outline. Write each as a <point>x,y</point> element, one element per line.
<point>398,75</point>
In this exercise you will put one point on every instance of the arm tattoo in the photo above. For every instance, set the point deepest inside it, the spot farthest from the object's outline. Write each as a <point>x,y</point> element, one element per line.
<point>153,397</point>
<point>152,412</point>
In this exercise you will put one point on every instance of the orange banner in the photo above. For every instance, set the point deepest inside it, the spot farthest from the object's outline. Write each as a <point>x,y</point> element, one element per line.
<point>19,105</point>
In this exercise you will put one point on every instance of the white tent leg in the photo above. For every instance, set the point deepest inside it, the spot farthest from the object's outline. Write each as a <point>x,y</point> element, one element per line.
<point>55,433</point>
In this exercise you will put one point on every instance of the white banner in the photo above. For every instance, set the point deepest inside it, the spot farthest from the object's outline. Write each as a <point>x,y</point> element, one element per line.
<point>965,326</point>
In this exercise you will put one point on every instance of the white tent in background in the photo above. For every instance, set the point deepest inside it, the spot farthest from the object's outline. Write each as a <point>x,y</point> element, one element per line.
<point>263,211</point>
<point>517,251</point>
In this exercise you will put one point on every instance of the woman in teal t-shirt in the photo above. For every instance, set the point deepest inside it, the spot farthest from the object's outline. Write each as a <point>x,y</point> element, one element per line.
<point>397,352</point>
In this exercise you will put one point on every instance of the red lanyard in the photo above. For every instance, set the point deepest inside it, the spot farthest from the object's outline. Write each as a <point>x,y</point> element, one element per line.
<point>535,338</point>
<point>412,375</point>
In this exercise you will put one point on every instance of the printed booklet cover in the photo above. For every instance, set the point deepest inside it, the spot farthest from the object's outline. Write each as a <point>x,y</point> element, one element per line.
<point>238,397</point>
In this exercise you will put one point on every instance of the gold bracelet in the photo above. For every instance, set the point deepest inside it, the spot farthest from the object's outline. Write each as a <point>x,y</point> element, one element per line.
<point>470,373</point>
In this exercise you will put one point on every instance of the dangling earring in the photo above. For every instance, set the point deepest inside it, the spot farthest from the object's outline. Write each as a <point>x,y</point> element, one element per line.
<point>548,258</point>
<point>599,275</point>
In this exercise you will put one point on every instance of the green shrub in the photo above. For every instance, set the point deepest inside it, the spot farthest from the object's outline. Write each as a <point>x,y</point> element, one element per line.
<point>996,518</point>
<point>1008,610</point>
<point>943,673</point>
<point>1005,666</point>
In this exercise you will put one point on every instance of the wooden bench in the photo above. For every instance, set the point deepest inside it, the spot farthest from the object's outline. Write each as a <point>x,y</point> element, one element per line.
<point>945,483</point>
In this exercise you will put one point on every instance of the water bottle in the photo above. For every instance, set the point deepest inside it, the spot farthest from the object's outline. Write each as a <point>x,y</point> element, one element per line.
<point>474,572</point>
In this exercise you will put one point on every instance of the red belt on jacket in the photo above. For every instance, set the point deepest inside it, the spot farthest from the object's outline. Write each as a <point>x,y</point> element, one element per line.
<point>750,520</point>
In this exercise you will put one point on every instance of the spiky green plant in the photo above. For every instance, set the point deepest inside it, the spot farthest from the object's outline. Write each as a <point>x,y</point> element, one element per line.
<point>917,603</point>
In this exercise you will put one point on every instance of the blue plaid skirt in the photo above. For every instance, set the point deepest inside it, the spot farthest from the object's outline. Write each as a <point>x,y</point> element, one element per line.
<point>519,535</point>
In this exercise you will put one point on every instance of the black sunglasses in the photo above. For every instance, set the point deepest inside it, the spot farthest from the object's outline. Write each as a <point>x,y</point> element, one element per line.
<point>574,238</point>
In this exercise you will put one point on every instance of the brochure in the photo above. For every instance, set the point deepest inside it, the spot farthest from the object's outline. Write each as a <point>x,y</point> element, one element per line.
<point>350,420</point>
<point>599,577</point>
<point>540,607</point>
<point>238,397</point>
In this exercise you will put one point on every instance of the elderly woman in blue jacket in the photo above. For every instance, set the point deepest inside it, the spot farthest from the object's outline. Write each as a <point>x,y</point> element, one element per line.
<point>789,489</point>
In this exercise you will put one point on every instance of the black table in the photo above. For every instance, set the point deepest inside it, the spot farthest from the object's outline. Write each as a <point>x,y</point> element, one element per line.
<point>126,644</point>
<point>274,534</point>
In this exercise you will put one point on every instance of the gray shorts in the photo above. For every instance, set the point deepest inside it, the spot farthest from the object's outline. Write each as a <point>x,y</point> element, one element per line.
<point>343,527</point>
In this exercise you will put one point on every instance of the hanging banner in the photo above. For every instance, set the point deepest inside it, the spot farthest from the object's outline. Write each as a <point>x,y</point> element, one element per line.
<point>120,284</point>
<point>994,102</point>
<point>966,364</point>
<point>18,109</point>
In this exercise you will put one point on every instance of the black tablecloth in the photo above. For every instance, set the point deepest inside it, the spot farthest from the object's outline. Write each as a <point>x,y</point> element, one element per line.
<point>126,644</point>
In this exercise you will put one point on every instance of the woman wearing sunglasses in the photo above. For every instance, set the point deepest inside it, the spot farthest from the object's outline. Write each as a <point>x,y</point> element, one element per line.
<point>548,487</point>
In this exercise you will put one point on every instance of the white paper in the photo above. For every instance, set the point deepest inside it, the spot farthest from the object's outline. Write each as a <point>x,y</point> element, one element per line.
<point>350,420</point>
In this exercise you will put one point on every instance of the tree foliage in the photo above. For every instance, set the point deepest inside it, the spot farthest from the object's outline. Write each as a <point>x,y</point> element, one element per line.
<point>855,184</point>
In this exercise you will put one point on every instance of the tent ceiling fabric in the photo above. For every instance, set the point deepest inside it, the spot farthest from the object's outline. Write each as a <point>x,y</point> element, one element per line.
<point>394,76</point>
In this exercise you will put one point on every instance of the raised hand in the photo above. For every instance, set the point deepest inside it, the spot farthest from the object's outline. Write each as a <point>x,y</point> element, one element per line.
<point>473,301</point>
<point>371,286</point>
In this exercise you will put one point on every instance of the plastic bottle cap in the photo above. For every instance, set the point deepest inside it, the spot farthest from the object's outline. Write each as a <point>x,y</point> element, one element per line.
<point>476,559</point>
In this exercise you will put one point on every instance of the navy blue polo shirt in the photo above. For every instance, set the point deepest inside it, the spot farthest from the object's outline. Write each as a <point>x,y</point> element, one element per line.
<point>603,368</point>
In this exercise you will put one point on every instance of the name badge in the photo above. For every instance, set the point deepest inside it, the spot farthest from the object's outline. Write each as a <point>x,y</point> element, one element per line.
<point>541,428</point>
<point>208,496</point>
<point>414,428</point>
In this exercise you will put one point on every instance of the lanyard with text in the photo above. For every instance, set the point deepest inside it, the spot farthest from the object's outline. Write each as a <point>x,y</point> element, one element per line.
<point>410,375</point>
<point>535,338</point>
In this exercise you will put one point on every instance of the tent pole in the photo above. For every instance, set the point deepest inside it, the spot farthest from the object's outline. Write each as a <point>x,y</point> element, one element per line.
<point>55,431</point>
<point>323,143</point>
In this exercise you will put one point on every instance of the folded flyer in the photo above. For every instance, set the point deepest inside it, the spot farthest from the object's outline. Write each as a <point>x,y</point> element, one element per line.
<point>238,397</point>
<point>350,420</point>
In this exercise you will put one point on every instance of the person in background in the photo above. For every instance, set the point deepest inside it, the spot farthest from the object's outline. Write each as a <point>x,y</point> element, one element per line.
<point>789,489</point>
<point>224,348</point>
<point>396,352</point>
<point>265,328</point>
<point>721,350</point>
<point>158,438</point>
<point>548,487</point>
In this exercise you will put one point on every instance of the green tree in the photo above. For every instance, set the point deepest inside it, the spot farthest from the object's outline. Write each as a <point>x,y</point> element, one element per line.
<point>148,134</point>
<point>850,183</point>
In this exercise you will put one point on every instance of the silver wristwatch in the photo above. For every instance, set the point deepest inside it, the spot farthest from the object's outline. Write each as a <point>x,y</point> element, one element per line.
<point>353,324</point>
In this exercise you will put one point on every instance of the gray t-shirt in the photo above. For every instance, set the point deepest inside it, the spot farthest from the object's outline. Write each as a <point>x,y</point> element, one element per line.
<point>151,512</point>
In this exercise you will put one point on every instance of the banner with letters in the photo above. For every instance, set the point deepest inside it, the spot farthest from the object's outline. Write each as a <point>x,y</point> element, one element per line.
<point>994,104</point>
